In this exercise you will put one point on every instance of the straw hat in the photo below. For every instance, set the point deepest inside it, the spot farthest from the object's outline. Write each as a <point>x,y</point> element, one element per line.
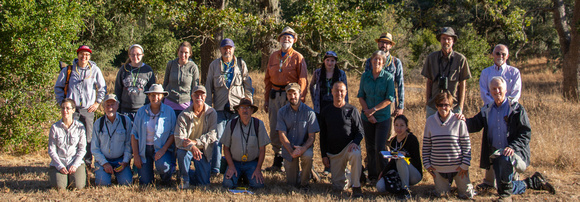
<point>386,37</point>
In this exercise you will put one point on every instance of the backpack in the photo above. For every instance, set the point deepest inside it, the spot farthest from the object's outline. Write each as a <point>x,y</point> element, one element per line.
<point>68,73</point>
<point>393,182</point>
<point>123,121</point>
<point>256,126</point>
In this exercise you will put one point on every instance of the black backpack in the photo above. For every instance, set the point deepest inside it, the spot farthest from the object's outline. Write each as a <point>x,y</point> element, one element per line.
<point>123,121</point>
<point>393,182</point>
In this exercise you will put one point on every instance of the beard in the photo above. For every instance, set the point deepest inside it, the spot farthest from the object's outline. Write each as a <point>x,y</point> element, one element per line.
<point>287,45</point>
<point>294,102</point>
<point>446,46</point>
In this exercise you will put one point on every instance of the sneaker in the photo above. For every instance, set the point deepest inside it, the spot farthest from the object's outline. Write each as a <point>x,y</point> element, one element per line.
<point>543,185</point>
<point>184,185</point>
<point>356,192</point>
<point>314,175</point>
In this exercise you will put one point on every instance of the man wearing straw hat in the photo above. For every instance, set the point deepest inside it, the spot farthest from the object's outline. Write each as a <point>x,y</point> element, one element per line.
<point>285,66</point>
<point>445,70</point>
<point>394,66</point>
<point>244,141</point>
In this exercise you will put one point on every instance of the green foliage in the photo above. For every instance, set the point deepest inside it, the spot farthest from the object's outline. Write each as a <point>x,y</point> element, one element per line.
<point>476,50</point>
<point>34,35</point>
<point>422,43</point>
<point>160,47</point>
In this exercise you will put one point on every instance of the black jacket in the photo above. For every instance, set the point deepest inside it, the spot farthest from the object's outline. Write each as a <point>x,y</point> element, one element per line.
<point>518,127</point>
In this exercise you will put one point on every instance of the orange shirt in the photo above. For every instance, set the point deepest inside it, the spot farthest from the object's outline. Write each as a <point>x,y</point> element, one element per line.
<point>293,70</point>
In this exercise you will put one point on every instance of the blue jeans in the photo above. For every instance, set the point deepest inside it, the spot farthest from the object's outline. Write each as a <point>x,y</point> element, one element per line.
<point>199,176</point>
<point>504,172</point>
<point>376,136</point>
<point>163,166</point>
<point>246,169</point>
<point>102,178</point>
<point>223,117</point>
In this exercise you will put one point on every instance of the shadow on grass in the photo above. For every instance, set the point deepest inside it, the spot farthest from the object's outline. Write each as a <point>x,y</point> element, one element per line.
<point>16,178</point>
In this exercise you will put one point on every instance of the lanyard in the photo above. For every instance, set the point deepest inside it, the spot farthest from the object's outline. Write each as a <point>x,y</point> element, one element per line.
<point>399,147</point>
<point>245,136</point>
<point>133,76</point>
<point>109,132</point>
<point>283,61</point>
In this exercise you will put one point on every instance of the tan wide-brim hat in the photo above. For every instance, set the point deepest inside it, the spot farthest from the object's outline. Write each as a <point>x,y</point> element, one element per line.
<point>387,37</point>
<point>447,31</point>
<point>246,101</point>
<point>156,88</point>
<point>288,30</point>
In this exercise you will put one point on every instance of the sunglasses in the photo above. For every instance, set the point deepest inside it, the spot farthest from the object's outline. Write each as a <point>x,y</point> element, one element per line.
<point>443,105</point>
<point>500,54</point>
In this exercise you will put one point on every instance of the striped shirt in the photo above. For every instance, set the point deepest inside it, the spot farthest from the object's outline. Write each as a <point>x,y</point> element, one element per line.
<point>446,145</point>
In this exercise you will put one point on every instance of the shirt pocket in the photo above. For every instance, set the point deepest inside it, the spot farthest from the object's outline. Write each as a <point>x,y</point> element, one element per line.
<point>73,140</point>
<point>119,138</point>
<point>252,144</point>
<point>454,75</point>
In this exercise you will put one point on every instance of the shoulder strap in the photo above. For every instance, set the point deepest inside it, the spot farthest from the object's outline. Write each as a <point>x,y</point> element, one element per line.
<point>68,73</point>
<point>102,123</point>
<point>257,129</point>
<point>233,124</point>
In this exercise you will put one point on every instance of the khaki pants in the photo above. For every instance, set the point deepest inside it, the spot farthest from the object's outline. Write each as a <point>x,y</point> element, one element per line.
<point>273,106</point>
<point>62,181</point>
<point>464,187</point>
<point>339,162</point>
<point>293,168</point>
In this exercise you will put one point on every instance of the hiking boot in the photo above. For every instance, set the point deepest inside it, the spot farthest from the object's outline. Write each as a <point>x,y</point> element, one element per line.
<point>314,175</point>
<point>356,192</point>
<point>484,186</point>
<point>538,182</point>
<point>277,165</point>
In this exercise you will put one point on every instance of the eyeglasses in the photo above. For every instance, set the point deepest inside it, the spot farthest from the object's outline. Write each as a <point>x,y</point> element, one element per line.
<point>138,55</point>
<point>500,54</point>
<point>443,105</point>
<point>245,107</point>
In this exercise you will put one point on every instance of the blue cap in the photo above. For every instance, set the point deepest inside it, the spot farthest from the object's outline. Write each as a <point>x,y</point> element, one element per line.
<point>227,42</point>
<point>330,54</point>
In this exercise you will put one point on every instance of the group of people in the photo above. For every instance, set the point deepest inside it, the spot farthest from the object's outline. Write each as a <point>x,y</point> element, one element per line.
<point>182,122</point>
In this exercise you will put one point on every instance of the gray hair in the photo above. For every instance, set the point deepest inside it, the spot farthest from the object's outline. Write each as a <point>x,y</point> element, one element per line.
<point>501,81</point>
<point>501,46</point>
<point>380,53</point>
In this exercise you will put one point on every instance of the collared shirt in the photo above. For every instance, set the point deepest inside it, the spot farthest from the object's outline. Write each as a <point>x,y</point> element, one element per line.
<point>163,128</point>
<point>396,69</point>
<point>114,141</point>
<point>219,92</point>
<point>511,76</point>
<point>244,140</point>
<point>67,146</point>
<point>497,123</point>
<point>297,125</point>
<point>375,91</point>
<point>207,136</point>
<point>293,70</point>
<point>454,67</point>
<point>86,85</point>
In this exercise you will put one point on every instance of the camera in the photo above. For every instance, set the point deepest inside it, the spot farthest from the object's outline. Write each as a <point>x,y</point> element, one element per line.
<point>443,82</point>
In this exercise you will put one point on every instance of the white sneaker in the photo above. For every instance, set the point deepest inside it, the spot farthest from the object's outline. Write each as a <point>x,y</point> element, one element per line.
<point>184,185</point>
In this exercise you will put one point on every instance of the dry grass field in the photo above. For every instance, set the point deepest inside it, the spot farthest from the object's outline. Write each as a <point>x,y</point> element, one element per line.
<point>555,152</point>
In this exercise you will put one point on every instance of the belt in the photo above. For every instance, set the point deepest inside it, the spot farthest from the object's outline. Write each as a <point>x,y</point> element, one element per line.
<point>280,87</point>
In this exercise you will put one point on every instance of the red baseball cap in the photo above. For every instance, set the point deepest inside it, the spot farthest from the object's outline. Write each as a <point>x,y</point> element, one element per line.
<point>84,48</point>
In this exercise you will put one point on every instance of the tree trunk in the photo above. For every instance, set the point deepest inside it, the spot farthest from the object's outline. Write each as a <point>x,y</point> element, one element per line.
<point>572,59</point>
<point>210,46</point>
<point>270,13</point>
